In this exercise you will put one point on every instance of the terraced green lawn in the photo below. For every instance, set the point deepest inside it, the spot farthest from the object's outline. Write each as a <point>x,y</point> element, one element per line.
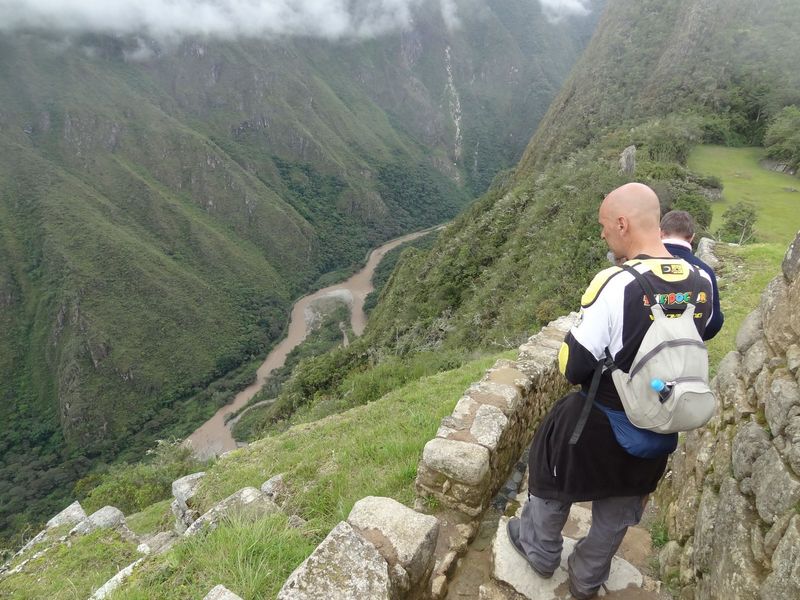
<point>775,195</point>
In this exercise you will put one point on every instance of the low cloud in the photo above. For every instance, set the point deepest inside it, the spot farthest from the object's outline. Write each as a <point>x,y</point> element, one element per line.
<point>171,19</point>
<point>558,10</point>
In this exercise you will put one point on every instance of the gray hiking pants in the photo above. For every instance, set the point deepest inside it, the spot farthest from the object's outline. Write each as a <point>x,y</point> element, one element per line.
<point>589,565</point>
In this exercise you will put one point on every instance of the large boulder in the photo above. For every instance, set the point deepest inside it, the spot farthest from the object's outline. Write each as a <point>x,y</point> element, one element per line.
<point>343,567</point>
<point>248,500</point>
<point>403,536</point>
<point>72,515</point>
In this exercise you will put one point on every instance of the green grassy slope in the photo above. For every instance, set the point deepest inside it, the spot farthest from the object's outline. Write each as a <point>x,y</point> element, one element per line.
<point>776,196</point>
<point>377,451</point>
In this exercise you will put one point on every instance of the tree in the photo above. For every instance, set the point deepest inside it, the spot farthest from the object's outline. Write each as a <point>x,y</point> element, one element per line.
<point>737,223</point>
<point>782,139</point>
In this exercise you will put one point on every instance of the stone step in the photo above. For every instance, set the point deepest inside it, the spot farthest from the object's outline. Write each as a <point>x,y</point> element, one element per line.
<point>513,578</point>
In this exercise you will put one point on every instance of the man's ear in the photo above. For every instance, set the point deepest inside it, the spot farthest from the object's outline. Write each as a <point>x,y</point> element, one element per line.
<point>622,223</point>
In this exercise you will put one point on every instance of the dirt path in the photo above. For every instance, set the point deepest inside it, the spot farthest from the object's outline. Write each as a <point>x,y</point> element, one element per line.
<point>214,437</point>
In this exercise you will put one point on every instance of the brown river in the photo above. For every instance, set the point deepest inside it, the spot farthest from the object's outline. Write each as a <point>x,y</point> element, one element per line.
<point>214,436</point>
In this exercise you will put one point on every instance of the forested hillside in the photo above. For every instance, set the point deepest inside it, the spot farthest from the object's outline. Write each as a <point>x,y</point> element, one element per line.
<point>162,203</point>
<point>661,75</point>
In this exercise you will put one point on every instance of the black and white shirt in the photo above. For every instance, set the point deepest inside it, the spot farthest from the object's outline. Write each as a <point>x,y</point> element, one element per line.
<point>615,314</point>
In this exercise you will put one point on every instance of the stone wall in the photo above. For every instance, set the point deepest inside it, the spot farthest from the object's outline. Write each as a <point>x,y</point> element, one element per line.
<point>733,492</point>
<point>477,445</point>
<point>386,550</point>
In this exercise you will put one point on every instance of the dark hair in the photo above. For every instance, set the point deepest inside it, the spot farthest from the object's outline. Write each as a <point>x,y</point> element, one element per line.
<point>678,222</point>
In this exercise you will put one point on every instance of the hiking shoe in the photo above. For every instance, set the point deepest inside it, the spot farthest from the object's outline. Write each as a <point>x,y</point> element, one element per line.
<point>580,595</point>
<point>573,590</point>
<point>512,528</point>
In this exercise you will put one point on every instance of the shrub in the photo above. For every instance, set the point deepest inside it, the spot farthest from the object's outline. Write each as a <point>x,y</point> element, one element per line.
<point>737,223</point>
<point>133,487</point>
<point>697,206</point>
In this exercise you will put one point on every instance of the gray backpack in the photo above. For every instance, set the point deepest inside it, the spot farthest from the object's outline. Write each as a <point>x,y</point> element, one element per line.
<point>673,352</point>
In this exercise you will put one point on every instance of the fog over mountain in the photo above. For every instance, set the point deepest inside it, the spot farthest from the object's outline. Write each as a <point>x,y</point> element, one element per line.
<point>170,19</point>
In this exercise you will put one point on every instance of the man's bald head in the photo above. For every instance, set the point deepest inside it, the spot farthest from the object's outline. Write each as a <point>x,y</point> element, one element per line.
<point>630,216</point>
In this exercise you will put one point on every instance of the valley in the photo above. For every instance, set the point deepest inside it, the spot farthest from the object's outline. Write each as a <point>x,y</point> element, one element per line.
<point>214,436</point>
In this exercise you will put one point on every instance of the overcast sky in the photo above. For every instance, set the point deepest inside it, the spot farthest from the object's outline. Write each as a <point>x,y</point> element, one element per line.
<point>232,18</point>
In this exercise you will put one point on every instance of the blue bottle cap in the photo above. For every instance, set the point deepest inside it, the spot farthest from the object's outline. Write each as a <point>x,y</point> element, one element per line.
<point>657,385</point>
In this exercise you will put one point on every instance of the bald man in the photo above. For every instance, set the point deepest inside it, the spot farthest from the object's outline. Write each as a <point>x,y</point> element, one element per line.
<point>571,463</point>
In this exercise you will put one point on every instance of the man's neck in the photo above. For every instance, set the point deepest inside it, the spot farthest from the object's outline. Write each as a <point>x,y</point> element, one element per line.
<point>656,250</point>
<point>677,242</point>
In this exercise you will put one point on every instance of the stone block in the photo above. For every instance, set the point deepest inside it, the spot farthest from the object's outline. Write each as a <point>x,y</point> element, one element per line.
<point>775,533</point>
<point>276,489</point>
<point>509,568</point>
<point>793,359</point>
<point>705,252</point>
<point>754,360</point>
<point>783,401</point>
<point>784,581</point>
<point>704,529</point>
<point>776,306</point>
<point>72,515</point>
<point>460,461</point>
<point>749,331</point>
<point>184,488</point>
<point>730,570</point>
<point>402,535</point>
<point>791,260</point>
<point>220,592</point>
<point>750,442</point>
<point>761,387</point>
<point>117,580</point>
<point>488,426</point>
<point>791,450</point>
<point>108,517</point>
<point>776,489</point>
<point>504,396</point>
<point>248,500</point>
<point>343,567</point>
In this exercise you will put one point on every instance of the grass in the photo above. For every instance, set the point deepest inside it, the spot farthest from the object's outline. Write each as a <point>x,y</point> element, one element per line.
<point>744,273</point>
<point>329,464</point>
<point>154,518</point>
<point>250,557</point>
<point>745,180</point>
<point>67,572</point>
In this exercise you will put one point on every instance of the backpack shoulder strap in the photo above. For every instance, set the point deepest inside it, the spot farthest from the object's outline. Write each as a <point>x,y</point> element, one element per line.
<point>643,283</point>
<point>590,395</point>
